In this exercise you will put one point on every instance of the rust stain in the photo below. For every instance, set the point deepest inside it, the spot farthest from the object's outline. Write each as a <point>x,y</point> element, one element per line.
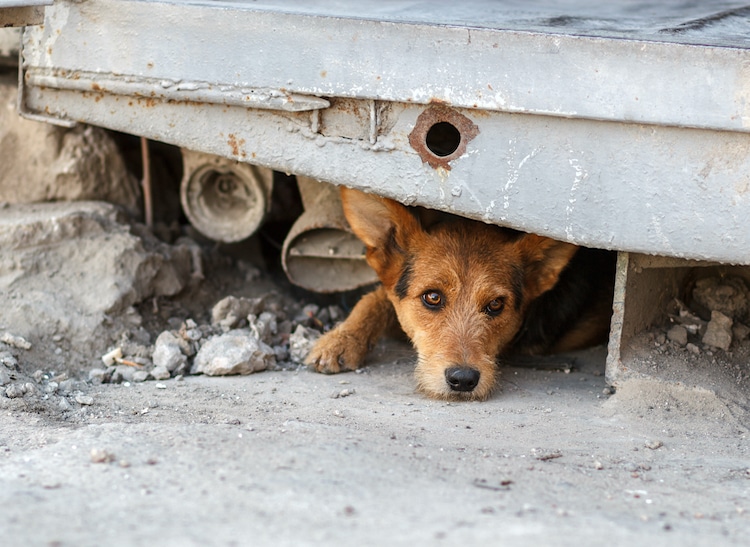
<point>323,73</point>
<point>96,87</point>
<point>237,146</point>
<point>427,120</point>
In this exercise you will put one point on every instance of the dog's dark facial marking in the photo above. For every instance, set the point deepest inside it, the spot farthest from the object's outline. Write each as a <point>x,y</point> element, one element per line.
<point>517,286</point>
<point>404,281</point>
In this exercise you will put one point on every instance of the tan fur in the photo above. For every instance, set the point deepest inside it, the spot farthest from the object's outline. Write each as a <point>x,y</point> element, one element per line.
<point>470,265</point>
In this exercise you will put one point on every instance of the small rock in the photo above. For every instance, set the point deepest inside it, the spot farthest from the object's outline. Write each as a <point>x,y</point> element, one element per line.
<point>140,376</point>
<point>719,331</point>
<point>67,386</point>
<point>263,327</point>
<point>168,352</point>
<point>8,360</point>
<point>126,372</point>
<point>692,348</point>
<point>160,373</point>
<point>98,375</point>
<point>14,391</point>
<point>336,313</point>
<point>84,400</point>
<point>301,342</point>
<point>678,334</point>
<point>342,393</point>
<point>740,331</point>
<point>64,405</point>
<point>99,455</point>
<point>654,445</point>
<point>230,311</point>
<point>15,341</point>
<point>4,377</point>
<point>236,352</point>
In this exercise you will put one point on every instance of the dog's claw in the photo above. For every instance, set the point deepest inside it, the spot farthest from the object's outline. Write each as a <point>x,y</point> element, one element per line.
<point>337,351</point>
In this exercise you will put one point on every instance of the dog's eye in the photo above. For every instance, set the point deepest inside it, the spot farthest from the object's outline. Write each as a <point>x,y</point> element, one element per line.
<point>495,307</point>
<point>433,300</point>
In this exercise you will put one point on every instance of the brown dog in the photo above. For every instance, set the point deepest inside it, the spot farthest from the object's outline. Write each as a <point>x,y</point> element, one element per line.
<point>465,292</point>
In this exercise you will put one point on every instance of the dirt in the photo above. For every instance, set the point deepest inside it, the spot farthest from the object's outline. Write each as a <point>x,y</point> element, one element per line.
<point>91,454</point>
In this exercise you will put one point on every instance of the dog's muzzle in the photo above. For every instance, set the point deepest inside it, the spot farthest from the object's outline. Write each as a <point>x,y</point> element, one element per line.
<point>462,378</point>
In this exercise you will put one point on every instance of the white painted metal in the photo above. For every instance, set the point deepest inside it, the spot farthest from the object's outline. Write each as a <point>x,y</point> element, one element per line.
<point>597,124</point>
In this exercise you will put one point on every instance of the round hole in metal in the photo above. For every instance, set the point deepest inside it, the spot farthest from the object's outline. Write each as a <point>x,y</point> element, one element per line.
<point>443,139</point>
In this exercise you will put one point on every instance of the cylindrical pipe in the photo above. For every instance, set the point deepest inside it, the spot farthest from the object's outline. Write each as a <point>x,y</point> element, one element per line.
<point>224,199</point>
<point>320,252</point>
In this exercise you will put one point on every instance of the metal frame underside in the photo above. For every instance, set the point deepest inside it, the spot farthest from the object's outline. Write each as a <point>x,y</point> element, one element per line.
<point>596,123</point>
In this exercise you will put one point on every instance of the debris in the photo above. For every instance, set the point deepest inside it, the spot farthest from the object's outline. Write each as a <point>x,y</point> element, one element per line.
<point>229,312</point>
<point>140,376</point>
<point>545,455</point>
<point>84,400</point>
<point>719,331</point>
<point>168,353</point>
<point>111,357</point>
<point>654,445</point>
<point>728,295</point>
<point>236,352</point>
<point>160,373</point>
<point>342,393</point>
<point>678,334</point>
<point>740,332</point>
<point>264,326</point>
<point>499,486</point>
<point>8,360</point>
<point>99,455</point>
<point>16,341</point>
<point>15,391</point>
<point>301,343</point>
<point>83,243</point>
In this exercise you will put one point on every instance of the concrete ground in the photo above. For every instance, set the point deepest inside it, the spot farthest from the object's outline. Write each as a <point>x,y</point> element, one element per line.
<point>298,458</point>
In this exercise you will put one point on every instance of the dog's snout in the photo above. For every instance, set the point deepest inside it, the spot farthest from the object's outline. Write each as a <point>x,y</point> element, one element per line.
<point>462,378</point>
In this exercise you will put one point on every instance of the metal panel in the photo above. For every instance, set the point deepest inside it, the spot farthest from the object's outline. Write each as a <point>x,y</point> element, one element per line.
<point>236,43</point>
<point>642,146</point>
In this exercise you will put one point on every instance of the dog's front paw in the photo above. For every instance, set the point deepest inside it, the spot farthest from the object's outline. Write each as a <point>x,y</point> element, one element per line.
<point>337,351</point>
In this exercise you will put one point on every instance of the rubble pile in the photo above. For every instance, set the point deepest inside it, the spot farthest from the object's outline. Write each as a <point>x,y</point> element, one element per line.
<point>717,318</point>
<point>245,335</point>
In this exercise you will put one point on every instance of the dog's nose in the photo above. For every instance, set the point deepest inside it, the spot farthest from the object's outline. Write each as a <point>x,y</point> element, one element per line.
<point>462,378</point>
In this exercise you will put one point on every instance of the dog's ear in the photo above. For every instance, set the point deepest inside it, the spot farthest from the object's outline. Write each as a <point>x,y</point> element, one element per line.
<point>384,226</point>
<point>545,259</point>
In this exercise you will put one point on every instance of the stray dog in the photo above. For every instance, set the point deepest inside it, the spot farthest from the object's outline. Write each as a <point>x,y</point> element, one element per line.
<point>465,292</point>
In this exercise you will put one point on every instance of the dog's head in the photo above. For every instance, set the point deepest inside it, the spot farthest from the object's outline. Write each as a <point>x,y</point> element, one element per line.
<point>460,288</point>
